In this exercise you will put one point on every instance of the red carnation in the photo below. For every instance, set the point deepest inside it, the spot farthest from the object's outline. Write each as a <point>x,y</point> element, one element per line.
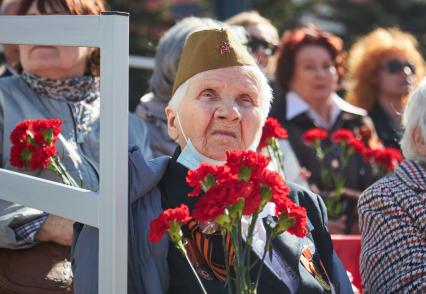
<point>207,175</point>
<point>20,135</point>
<point>246,164</point>
<point>20,155</point>
<point>217,198</point>
<point>275,182</point>
<point>271,129</point>
<point>313,135</point>
<point>388,157</point>
<point>163,222</point>
<point>292,216</point>
<point>357,145</point>
<point>34,143</point>
<point>46,131</point>
<point>342,135</point>
<point>42,157</point>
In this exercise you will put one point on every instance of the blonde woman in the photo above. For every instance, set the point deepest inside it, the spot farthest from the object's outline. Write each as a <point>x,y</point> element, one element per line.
<point>383,67</point>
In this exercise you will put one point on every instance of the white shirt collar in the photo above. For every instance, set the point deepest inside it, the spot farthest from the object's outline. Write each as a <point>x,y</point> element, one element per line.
<point>296,105</point>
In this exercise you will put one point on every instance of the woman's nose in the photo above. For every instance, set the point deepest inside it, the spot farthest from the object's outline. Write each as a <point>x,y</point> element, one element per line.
<point>229,111</point>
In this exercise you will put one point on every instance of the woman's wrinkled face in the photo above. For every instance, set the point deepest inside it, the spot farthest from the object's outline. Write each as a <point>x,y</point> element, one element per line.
<point>314,77</point>
<point>396,75</point>
<point>220,112</point>
<point>53,62</point>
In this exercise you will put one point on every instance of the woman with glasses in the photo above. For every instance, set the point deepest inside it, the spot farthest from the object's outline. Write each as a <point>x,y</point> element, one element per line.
<point>308,73</point>
<point>383,67</point>
<point>263,38</point>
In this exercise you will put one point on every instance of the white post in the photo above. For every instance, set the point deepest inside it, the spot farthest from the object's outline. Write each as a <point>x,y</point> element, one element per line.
<point>107,209</point>
<point>114,169</point>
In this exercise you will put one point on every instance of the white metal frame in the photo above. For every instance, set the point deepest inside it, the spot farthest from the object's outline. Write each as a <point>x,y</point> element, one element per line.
<point>106,209</point>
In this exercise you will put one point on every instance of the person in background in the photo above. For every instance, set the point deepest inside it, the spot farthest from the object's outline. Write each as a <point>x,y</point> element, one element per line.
<point>383,67</point>
<point>220,102</point>
<point>10,51</point>
<point>57,82</point>
<point>263,38</point>
<point>156,141</point>
<point>308,72</point>
<point>392,213</point>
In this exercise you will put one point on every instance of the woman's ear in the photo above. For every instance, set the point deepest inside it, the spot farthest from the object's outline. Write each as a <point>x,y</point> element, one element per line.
<point>171,124</point>
<point>419,142</point>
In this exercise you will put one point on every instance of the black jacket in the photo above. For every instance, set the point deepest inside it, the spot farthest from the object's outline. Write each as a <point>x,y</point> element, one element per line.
<point>174,191</point>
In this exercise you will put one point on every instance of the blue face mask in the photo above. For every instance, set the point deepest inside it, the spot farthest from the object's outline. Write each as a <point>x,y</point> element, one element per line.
<point>191,158</point>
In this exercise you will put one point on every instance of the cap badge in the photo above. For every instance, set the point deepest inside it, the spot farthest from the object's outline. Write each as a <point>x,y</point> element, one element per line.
<point>224,47</point>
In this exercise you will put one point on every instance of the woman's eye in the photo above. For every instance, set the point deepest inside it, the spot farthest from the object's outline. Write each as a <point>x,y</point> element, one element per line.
<point>246,100</point>
<point>207,94</point>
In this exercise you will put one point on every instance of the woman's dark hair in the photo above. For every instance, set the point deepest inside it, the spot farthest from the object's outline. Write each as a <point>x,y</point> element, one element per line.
<point>294,40</point>
<point>72,7</point>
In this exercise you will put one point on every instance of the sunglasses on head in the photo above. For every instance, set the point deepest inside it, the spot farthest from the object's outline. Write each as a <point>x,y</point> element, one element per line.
<point>396,66</point>
<point>259,44</point>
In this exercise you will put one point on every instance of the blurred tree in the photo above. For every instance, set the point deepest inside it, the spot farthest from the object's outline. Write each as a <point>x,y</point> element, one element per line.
<point>348,18</point>
<point>286,14</point>
<point>360,17</point>
<point>147,22</point>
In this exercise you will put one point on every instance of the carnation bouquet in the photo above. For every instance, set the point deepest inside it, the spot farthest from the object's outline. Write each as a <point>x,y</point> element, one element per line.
<point>231,199</point>
<point>332,175</point>
<point>33,148</point>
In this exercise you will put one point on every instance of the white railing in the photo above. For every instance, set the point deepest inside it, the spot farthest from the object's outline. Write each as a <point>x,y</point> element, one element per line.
<point>106,209</point>
<point>141,62</point>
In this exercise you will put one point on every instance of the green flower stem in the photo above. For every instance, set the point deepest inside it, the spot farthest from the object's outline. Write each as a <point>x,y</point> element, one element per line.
<point>241,269</point>
<point>66,178</point>
<point>236,238</point>
<point>249,245</point>
<point>53,167</point>
<point>274,151</point>
<point>266,250</point>
<point>181,248</point>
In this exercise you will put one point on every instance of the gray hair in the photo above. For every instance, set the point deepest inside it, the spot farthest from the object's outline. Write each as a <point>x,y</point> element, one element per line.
<point>170,48</point>
<point>414,118</point>
<point>265,90</point>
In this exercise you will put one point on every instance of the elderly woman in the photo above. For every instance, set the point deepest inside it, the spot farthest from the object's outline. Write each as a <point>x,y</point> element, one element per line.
<point>383,67</point>
<point>220,102</point>
<point>151,106</point>
<point>308,73</point>
<point>62,83</point>
<point>392,214</point>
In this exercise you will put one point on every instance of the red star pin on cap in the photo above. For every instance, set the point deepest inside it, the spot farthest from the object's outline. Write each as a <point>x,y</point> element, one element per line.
<point>224,47</point>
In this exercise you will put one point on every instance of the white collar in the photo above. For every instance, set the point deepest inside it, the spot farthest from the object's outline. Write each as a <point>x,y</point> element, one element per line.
<point>296,105</point>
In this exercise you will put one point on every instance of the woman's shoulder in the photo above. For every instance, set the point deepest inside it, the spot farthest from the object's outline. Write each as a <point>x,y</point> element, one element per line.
<point>144,175</point>
<point>381,193</point>
<point>9,83</point>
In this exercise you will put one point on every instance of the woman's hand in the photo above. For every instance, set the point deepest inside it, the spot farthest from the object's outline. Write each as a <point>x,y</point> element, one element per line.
<point>56,229</point>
